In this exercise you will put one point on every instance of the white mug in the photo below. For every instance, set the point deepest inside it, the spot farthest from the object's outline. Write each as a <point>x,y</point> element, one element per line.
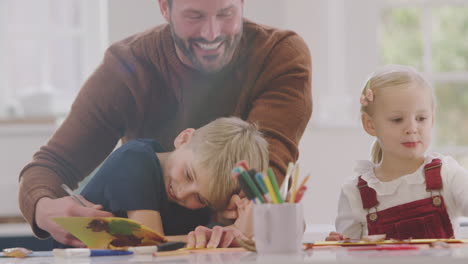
<point>278,228</point>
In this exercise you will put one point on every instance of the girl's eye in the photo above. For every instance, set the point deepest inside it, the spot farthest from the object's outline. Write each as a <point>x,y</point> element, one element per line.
<point>422,118</point>
<point>188,176</point>
<point>397,120</point>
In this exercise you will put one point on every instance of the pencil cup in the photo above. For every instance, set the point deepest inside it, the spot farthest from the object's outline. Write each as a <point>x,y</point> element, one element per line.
<point>278,228</point>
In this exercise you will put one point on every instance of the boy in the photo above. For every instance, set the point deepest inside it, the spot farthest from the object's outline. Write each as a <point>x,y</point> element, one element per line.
<point>173,192</point>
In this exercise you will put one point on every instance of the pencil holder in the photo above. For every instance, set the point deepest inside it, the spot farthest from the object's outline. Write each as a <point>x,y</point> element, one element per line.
<point>278,228</point>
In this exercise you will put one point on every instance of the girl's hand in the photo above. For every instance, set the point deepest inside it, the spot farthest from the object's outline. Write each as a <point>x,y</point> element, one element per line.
<point>335,236</point>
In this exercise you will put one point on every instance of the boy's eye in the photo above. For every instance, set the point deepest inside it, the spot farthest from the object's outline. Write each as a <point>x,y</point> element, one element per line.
<point>421,118</point>
<point>397,120</point>
<point>200,200</point>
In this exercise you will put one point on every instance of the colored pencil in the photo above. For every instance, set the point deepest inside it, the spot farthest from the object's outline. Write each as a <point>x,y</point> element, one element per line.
<point>270,189</point>
<point>274,183</point>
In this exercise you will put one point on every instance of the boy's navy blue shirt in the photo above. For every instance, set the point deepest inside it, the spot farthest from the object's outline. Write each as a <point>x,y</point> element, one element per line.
<point>131,179</point>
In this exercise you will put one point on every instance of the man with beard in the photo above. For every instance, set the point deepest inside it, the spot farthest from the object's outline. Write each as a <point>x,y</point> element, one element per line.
<point>207,62</point>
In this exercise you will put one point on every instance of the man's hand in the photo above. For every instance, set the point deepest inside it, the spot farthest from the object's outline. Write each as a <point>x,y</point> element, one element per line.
<point>47,208</point>
<point>222,237</point>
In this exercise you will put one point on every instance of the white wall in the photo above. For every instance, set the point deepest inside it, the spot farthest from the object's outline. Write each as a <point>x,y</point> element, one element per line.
<point>333,140</point>
<point>18,144</point>
<point>337,34</point>
<point>128,17</point>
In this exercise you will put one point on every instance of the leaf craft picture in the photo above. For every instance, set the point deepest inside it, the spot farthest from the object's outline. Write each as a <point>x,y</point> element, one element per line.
<point>110,232</point>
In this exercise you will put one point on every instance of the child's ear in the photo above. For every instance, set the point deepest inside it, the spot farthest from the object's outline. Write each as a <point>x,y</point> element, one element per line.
<point>368,124</point>
<point>164,7</point>
<point>183,137</point>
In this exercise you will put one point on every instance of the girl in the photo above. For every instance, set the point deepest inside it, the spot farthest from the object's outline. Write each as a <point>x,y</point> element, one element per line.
<point>403,192</point>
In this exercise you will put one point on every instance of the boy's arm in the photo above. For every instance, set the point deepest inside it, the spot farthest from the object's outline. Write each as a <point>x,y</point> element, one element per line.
<point>149,218</point>
<point>152,219</point>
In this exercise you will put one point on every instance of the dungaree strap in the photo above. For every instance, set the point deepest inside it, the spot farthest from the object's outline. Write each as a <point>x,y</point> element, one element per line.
<point>432,174</point>
<point>368,195</point>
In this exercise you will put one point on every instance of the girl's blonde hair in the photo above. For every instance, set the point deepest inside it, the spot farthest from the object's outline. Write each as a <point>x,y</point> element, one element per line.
<point>390,77</point>
<point>219,145</point>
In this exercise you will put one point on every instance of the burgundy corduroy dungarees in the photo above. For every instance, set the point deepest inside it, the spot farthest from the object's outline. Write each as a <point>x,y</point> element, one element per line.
<point>425,218</point>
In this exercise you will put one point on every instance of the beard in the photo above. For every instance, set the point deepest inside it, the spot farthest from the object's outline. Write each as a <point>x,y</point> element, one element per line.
<point>187,48</point>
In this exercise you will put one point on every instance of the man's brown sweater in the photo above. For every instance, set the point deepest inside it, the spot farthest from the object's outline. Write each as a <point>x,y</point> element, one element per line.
<point>143,90</point>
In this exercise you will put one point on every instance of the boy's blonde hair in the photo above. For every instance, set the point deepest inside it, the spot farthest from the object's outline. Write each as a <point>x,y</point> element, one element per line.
<point>219,145</point>
<point>391,77</point>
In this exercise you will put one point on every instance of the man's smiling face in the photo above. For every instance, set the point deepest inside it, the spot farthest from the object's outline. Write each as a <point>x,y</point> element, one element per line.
<point>206,33</point>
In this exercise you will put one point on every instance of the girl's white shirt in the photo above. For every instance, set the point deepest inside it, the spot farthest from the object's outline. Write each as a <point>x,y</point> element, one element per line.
<point>351,219</point>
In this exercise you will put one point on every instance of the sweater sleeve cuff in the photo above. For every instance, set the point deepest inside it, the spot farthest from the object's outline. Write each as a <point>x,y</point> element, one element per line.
<point>36,183</point>
<point>279,168</point>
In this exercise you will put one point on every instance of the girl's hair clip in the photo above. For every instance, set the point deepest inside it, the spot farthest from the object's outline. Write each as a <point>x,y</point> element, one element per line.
<point>363,100</point>
<point>367,97</point>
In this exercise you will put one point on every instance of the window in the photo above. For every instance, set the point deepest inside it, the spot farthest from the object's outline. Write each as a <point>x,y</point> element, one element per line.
<point>47,49</point>
<point>432,36</point>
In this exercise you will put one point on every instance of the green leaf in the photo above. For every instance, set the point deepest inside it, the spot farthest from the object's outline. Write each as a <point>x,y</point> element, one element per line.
<point>122,227</point>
